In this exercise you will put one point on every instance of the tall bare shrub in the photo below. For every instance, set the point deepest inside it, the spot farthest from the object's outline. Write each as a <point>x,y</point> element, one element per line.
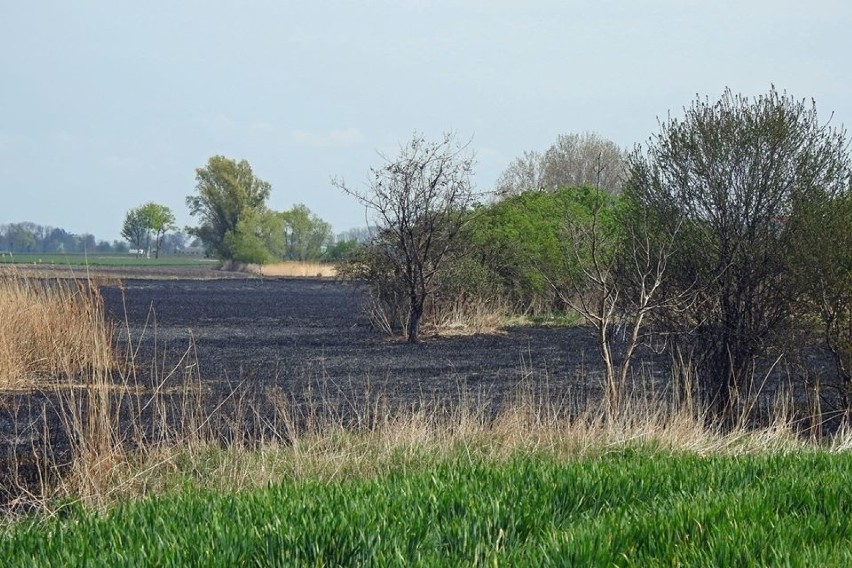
<point>419,201</point>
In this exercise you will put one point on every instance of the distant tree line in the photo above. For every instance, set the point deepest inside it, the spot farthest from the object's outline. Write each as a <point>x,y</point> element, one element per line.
<point>235,222</point>
<point>29,237</point>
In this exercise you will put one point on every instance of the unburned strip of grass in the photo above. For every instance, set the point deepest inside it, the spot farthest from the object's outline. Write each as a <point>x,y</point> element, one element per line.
<point>631,507</point>
<point>49,327</point>
<point>291,269</point>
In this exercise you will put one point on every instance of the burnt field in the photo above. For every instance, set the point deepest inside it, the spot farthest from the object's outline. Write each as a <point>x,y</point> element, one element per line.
<point>221,354</point>
<point>292,334</point>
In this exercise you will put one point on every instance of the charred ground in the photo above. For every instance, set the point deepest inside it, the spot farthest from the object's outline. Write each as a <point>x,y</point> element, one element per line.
<point>290,333</point>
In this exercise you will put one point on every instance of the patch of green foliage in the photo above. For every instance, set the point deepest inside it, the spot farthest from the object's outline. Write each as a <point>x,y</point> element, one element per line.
<point>635,507</point>
<point>57,259</point>
<point>527,243</point>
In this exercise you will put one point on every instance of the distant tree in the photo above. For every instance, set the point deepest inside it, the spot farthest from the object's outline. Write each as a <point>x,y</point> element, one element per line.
<point>258,238</point>
<point>159,220</point>
<point>523,174</point>
<point>59,240</point>
<point>227,192</point>
<point>174,242</point>
<point>136,229</point>
<point>584,159</point>
<point>574,160</point>
<point>730,173</point>
<point>419,200</point>
<point>305,234</point>
<point>20,237</point>
<point>360,234</point>
<point>341,250</point>
<point>87,242</point>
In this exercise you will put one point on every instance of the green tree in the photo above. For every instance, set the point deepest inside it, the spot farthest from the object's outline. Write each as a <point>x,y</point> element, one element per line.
<point>160,220</point>
<point>730,173</point>
<point>227,192</point>
<point>147,221</point>
<point>258,238</point>
<point>136,229</point>
<point>520,236</point>
<point>305,234</point>
<point>341,250</point>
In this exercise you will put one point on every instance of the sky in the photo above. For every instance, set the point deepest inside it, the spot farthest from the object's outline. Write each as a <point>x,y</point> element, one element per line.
<point>110,104</point>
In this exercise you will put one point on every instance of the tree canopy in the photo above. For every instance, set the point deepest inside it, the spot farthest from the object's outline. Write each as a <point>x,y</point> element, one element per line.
<point>573,160</point>
<point>306,236</point>
<point>226,193</point>
<point>147,221</point>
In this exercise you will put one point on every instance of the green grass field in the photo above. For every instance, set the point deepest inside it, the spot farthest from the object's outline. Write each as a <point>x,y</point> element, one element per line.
<point>626,508</point>
<point>109,259</point>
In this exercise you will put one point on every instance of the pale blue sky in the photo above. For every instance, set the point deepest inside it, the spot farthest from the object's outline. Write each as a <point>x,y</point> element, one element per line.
<point>109,104</point>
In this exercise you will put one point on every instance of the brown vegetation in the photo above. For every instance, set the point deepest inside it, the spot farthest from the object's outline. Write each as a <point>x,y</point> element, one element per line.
<point>291,268</point>
<point>50,328</point>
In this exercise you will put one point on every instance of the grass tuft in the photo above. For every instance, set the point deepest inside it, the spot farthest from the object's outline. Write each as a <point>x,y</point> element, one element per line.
<point>50,328</point>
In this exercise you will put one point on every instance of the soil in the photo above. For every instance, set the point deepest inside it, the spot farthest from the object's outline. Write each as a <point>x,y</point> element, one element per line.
<point>293,332</point>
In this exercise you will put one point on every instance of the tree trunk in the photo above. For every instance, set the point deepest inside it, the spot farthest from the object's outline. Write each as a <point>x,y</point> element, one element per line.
<point>414,315</point>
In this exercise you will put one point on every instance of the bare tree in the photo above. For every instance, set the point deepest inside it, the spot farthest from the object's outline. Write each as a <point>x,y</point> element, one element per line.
<point>573,160</point>
<point>524,173</point>
<point>619,271</point>
<point>583,159</point>
<point>419,200</point>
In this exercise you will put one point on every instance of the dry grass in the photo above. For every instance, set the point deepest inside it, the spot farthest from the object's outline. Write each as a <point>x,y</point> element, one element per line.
<point>49,327</point>
<point>182,442</point>
<point>330,437</point>
<point>469,317</point>
<point>294,269</point>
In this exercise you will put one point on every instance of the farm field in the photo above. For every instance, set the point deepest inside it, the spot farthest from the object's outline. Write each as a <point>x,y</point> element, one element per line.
<point>107,259</point>
<point>234,339</point>
<point>284,428</point>
<point>633,507</point>
<point>298,334</point>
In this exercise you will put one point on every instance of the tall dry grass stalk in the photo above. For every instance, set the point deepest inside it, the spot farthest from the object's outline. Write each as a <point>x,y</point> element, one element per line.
<point>329,436</point>
<point>50,327</point>
<point>466,317</point>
